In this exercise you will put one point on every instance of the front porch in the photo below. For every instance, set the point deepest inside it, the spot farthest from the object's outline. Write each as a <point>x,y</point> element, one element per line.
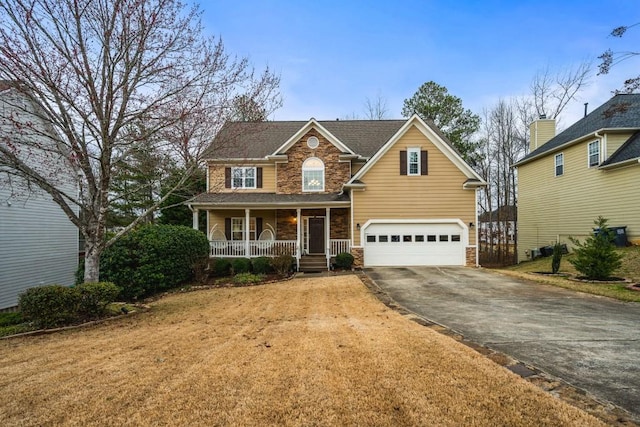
<point>299,232</point>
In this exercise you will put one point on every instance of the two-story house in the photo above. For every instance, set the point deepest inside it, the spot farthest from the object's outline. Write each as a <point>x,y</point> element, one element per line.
<point>391,192</point>
<point>591,169</point>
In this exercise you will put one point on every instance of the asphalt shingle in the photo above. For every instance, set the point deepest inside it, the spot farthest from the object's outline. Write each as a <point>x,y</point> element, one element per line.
<point>621,111</point>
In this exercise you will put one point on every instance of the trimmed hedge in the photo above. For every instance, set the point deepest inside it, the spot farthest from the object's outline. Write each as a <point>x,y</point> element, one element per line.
<point>221,267</point>
<point>344,260</point>
<point>261,265</point>
<point>95,297</point>
<point>241,265</point>
<point>50,306</point>
<point>56,305</point>
<point>154,258</point>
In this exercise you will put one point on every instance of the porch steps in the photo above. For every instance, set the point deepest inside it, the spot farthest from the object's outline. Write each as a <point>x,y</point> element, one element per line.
<point>313,263</point>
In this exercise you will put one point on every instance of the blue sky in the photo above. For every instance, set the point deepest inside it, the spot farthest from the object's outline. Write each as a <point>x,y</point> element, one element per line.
<point>332,55</point>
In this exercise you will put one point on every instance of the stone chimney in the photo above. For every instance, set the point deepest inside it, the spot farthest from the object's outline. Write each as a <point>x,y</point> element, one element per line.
<point>541,131</point>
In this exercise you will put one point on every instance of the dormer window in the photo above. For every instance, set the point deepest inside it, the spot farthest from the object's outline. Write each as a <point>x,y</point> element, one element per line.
<point>313,175</point>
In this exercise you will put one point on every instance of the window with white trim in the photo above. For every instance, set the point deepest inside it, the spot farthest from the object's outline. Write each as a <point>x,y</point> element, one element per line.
<point>243,177</point>
<point>413,161</point>
<point>594,153</point>
<point>559,162</point>
<point>313,174</point>
<point>237,228</point>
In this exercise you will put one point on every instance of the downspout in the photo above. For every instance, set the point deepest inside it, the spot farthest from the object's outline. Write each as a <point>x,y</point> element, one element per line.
<point>603,144</point>
<point>476,233</point>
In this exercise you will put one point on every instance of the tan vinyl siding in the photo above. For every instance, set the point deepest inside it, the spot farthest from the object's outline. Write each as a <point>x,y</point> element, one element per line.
<point>615,141</point>
<point>216,179</point>
<point>438,195</point>
<point>216,218</point>
<point>552,208</point>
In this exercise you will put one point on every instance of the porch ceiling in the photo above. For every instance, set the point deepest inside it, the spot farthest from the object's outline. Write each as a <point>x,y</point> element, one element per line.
<point>268,200</point>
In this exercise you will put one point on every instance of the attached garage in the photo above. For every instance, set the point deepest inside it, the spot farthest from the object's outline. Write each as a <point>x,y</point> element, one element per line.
<point>414,243</point>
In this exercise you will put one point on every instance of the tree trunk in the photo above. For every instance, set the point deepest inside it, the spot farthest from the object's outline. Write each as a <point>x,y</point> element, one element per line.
<point>91,263</point>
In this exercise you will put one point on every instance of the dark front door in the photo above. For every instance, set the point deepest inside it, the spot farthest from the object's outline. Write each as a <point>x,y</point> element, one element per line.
<point>316,235</point>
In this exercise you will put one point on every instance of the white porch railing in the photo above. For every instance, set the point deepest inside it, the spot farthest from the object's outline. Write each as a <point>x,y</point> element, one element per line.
<point>237,249</point>
<point>339,246</point>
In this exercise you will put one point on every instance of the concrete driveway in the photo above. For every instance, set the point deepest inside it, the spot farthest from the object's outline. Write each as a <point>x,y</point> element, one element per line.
<point>591,342</point>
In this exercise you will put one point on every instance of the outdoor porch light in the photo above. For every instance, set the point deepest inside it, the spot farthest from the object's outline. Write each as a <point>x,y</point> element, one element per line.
<point>358,226</point>
<point>471,225</point>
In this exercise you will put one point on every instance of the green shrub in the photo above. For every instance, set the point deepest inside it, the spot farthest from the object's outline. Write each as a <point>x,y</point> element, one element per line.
<point>344,260</point>
<point>557,258</point>
<point>154,258</point>
<point>241,265</point>
<point>50,306</point>
<point>261,265</point>
<point>283,264</point>
<point>94,298</point>
<point>221,267</point>
<point>597,258</point>
<point>11,318</point>
<point>245,278</point>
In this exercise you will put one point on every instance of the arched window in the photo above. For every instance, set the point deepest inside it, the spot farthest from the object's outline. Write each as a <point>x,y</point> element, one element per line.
<point>313,174</point>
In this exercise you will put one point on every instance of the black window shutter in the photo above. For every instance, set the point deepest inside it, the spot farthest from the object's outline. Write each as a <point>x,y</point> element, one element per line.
<point>403,163</point>
<point>424,170</point>
<point>227,228</point>
<point>259,177</point>
<point>258,227</point>
<point>227,177</point>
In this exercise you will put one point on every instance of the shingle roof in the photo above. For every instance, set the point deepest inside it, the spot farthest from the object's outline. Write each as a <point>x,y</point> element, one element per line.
<point>621,111</point>
<point>239,140</point>
<point>627,151</point>
<point>267,198</point>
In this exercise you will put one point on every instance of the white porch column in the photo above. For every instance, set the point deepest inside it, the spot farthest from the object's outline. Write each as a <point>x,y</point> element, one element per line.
<point>195,219</point>
<point>327,238</point>
<point>247,225</point>
<point>298,235</point>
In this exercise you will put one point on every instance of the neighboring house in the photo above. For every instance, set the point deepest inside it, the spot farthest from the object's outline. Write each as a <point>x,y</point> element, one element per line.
<point>391,192</point>
<point>498,226</point>
<point>591,169</point>
<point>38,243</point>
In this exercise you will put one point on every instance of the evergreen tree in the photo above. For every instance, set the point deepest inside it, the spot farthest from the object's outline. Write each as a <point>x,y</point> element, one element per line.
<point>434,102</point>
<point>597,257</point>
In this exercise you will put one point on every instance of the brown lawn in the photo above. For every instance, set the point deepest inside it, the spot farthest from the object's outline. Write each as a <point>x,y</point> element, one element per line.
<point>319,351</point>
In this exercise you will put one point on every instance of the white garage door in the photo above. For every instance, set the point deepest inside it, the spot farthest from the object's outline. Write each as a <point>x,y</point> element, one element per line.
<point>405,244</point>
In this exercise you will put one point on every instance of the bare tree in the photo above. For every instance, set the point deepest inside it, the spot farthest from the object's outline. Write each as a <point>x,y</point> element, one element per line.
<point>376,109</point>
<point>91,70</point>
<point>610,58</point>
<point>552,92</point>
<point>505,137</point>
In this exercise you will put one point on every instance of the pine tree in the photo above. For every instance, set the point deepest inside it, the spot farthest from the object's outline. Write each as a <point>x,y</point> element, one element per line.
<point>597,257</point>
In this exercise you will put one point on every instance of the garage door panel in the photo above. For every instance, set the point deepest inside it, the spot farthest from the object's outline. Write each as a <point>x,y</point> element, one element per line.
<point>395,244</point>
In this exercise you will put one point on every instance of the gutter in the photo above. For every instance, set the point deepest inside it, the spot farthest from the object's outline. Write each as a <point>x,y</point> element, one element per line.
<point>621,164</point>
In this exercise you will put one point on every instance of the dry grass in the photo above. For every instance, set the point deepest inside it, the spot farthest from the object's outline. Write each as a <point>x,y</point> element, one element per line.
<point>319,351</point>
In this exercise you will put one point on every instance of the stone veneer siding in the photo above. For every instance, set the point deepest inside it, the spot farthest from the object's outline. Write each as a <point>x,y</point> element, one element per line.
<point>470,253</point>
<point>358,257</point>
<point>289,175</point>
<point>286,229</point>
